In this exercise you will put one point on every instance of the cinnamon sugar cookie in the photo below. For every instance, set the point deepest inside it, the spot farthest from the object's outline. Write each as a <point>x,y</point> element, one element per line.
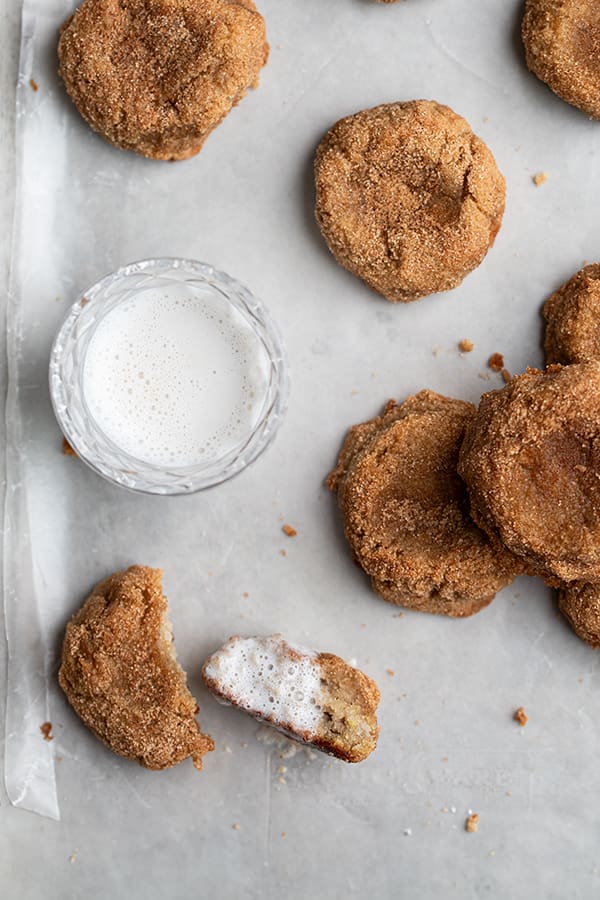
<point>405,509</point>
<point>316,698</point>
<point>121,677</point>
<point>531,460</point>
<point>580,605</point>
<point>407,198</point>
<point>157,76</point>
<point>572,314</point>
<point>562,47</point>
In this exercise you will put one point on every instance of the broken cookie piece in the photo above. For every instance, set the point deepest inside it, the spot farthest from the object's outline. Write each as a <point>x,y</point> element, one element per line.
<point>121,676</point>
<point>316,698</point>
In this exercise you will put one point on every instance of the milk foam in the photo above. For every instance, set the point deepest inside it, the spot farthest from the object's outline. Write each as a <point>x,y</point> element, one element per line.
<point>261,676</point>
<point>174,377</point>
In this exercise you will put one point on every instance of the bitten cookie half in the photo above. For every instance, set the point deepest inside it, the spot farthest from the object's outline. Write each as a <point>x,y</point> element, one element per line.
<point>407,197</point>
<point>562,47</point>
<point>316,698</point>
<point>120,674</point>
<point>157,76</point>
<point>405,509</point>
<point>531,461</point>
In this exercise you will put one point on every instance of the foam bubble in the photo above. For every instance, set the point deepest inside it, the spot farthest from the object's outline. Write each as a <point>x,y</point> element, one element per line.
<point>261,676</point>
<point>174,377</point>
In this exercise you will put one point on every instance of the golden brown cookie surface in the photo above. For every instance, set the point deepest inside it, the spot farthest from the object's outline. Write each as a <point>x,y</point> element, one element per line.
<point>405,509</point>
<point>580,605</point>
<point>531,460</point>
<point>562,47</point>
<point>157,76</point>
<point>121,677</point>
<point>407,197</point>
<point>572,314</point>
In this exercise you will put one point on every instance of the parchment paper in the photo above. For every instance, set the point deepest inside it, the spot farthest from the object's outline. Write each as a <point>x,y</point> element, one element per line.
<point>393,826</point>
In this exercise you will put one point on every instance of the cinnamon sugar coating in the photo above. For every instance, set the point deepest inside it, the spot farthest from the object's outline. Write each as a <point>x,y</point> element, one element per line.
<point>531,460</point>
<point>580,605</point>
<point>157,76</point>
<point>407,198</point>
<point>572,314</point>
<point>405,509</point>
<point>562,47</point>
<point>121,677</point>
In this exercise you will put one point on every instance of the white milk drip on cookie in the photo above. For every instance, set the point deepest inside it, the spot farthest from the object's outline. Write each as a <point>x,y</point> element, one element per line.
<point>175,377</point>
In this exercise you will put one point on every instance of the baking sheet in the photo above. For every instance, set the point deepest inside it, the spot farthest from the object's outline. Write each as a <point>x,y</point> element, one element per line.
<point>448,743</point>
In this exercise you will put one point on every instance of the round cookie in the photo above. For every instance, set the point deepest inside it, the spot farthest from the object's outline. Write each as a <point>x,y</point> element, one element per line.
<point>531,461</point>
<point>407,198</point>
<point>405,510</point>
<point>562,47</point>
<point>580,605</point>
<point>157,76</point>
<point>572,314</point>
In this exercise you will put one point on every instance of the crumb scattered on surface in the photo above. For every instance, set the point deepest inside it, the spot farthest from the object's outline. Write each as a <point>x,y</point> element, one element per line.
<point>506,375</point>
<point>472,823</point>
<point>73,855</point>
<point>33,84</point>
<point>236,826</point>
<point>496,362</point>
<point>466,346</point>
<point>390,672</point>
<point>67,449</point>
<point>283,552</point>
<point>485,376</point>
<point>287,529</point>
<point>399,615</point>
<point>245,594</point>
<point>417,721</point>
<point>284,834</point>
<point>539,178</point>
<point>46,730</point>
<point>521,717</point>
<point>436,351</point>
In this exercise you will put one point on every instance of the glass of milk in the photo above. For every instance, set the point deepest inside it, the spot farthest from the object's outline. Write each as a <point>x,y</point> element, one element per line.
<point>168,377</point>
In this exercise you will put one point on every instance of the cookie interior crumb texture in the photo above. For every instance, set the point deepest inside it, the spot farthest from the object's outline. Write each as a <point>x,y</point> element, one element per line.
<point>562,47</point>
<point>120,674</point>
<point>316,698</point>
<point>407,197</point>
<point>157,76</point>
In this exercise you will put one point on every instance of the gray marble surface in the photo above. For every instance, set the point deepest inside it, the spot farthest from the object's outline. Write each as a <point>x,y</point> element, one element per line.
<point>308,825</point>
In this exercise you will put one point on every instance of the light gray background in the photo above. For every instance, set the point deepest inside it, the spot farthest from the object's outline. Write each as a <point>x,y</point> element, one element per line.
<point>393,826</point>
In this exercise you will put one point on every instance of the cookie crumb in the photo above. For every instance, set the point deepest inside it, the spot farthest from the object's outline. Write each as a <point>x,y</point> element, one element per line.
<point>496,362</point>
<point>466,346</point>
<point>436,351</point>
<point>33,84</point>
<point>287,529</point>
<point>73,855</point>
<point>506,375</point>
<point>283,552</point>
<point>236,826</point>
<point>390,672</point>
<point>472,823</point>
<point>46,730</point>
<point>539,178</point>
<point>521,717</point>
<point>67,449</point>
<point>284,834</point>
<point>246,594</point>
